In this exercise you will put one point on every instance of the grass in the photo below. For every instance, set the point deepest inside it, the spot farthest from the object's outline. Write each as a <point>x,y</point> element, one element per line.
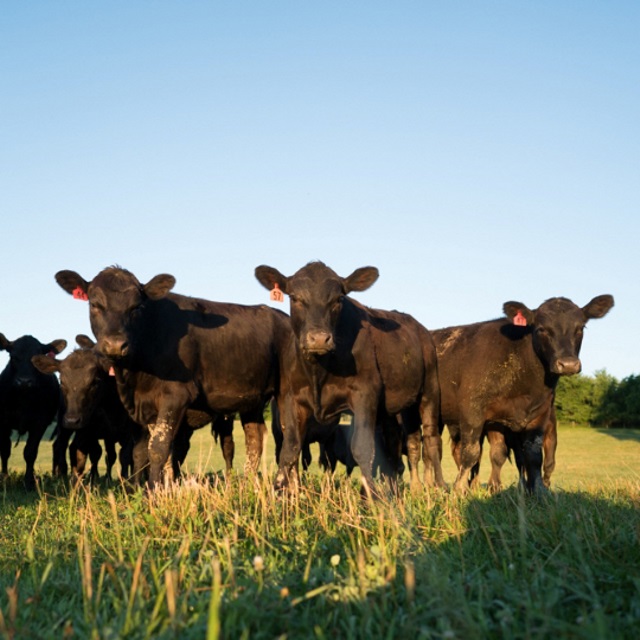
<point>216,559</point>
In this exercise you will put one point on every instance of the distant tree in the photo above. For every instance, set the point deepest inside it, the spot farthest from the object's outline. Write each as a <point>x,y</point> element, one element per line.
<point>574,396</point>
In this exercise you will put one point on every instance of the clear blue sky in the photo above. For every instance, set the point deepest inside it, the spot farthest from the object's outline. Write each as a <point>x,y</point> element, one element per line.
<point>475,152</point>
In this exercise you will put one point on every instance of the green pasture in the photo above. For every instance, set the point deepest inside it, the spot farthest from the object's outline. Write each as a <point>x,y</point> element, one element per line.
<point>216,558</point>
<point>585,457</point>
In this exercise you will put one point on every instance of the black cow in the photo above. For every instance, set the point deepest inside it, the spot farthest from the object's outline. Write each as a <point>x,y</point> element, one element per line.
<point>344,357</point>
<point>505,372</point>
<point>93,412</point>
<point>29,400</point>
<point>172,353</point>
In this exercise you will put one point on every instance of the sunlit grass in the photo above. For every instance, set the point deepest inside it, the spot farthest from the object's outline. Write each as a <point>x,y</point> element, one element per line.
<point>226,558</point>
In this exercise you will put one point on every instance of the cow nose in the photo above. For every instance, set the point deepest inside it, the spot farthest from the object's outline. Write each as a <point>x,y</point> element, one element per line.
<point>320,341</point>
<point>568,366</point>
<point>72,422</point>
<point>114,347</point>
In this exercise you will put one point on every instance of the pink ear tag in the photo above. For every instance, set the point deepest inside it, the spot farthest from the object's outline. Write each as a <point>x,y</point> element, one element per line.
<point>519,320</point>
<point>112,371</point>
<point>79,294</point>
<point>276,293</point>
<point>51,354</point>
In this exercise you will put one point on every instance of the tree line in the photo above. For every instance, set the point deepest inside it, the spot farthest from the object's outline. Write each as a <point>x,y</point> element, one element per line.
<point>599,400</point>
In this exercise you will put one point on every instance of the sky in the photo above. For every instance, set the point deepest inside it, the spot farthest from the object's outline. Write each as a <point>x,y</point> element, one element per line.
<point>474,152</point>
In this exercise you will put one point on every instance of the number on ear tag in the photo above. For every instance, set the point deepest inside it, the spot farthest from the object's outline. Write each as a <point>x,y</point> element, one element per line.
<point>519,320</point>
<point>79,294</point>
<point>276,293</point>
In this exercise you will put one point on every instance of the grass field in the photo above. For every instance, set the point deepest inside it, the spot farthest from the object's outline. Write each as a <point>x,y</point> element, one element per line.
<point>216,559</point>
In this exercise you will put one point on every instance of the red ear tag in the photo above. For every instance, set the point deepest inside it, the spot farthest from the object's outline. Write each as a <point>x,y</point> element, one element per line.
<point>276,294</point>
<point>519,320</point>
<point>51,354</point>
<point>79,294</point>
<point>112,371</point>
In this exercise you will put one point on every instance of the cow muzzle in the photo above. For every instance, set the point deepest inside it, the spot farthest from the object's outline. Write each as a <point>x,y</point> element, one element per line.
<point>72,422</point>
<point>319,343</point>
<point>114,347</point>
<point>567,366</point>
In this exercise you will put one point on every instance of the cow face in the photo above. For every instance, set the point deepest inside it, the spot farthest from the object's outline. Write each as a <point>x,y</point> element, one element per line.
<point>316,295</point>
<point>22,373</point>
<point>82,378</point>
<point>557,329</point>
<point>116,304</point>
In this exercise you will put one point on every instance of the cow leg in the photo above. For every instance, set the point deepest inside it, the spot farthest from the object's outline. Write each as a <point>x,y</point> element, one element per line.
<point>294,429</point>
<point>60,447</point>
<point>95,453</point>
<point>470,452</point>
<point>254,432</point>
<point>363,442</point>
<point>306,456</point>
<point>432,438</point>
<point>180,448</point>
<point>413,433</point>
<point>549,446</point>
<point>161,435</point>
<point>110,455</point>
<point>140,457</point>
<point>388,442</point>
<point>224,428</point>
<point>532,455</point>
<point>5,450</point>
<point>30,455</point>
<point>498,453</point>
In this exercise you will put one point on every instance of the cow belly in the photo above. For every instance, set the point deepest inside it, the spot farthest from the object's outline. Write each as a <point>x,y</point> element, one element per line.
<point>520,413</point>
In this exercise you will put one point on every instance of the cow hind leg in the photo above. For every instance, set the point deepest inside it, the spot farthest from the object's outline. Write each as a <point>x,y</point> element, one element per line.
<point>498,454</point>
<point>470,452</point>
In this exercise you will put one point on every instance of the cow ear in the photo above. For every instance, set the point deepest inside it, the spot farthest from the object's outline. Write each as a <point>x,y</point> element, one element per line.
<point>56,346</point>
<point>598,307</point>
<point>5,344</point>
<point>512,309</point>
<point>85,341</point>
<point>45,364</point>
<point>360,280</point>
<point>72,282</point>
<point>159,286</point>
<point>268,277</point>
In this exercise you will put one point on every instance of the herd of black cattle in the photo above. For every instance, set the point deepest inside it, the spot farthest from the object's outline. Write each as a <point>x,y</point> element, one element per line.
<point>165,364</point>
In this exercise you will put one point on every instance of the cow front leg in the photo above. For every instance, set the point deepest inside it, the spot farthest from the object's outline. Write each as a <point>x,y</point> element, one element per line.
<point>363,445</point>
<point>294,428</point>
<point>140,458</point>
<point>549,446</point>
<point>30,455</point>
<point>161,436</point>
<point>532,454</point>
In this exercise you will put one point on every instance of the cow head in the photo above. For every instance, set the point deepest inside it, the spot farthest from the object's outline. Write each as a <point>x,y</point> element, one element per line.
<point>316,295</point>
<point>23,375</point>
<point>82,376</point>
<point>116,304</point>
<point>557,327</point>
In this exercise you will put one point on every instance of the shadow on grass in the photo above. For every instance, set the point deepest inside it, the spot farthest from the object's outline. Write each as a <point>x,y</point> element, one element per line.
<point>622,434</point>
